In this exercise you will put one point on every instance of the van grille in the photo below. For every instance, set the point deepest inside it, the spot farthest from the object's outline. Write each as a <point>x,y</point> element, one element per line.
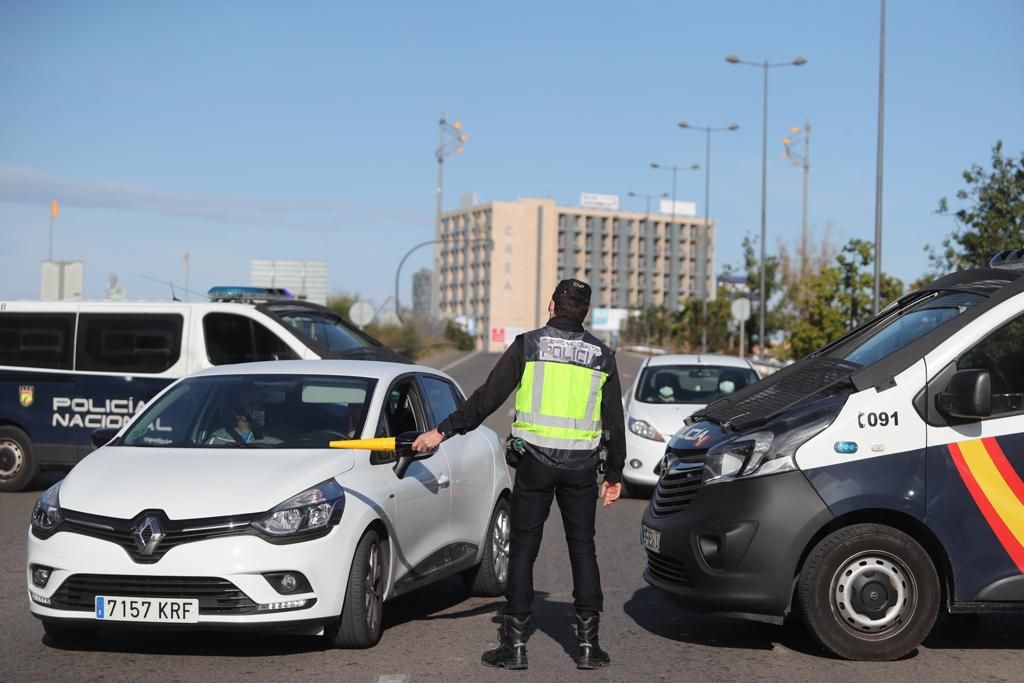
<point>216,596</point>
<point>677,487</point>
<point>666,569</point>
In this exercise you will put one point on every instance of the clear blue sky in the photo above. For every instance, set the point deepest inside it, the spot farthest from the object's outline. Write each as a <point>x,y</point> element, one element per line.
<point>239,130</point>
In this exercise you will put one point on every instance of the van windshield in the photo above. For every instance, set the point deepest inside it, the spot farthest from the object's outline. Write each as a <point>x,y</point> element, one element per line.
<point>324,329</point>
<point>891,333</point>
<point>255,411</point>
<point>695,384</point>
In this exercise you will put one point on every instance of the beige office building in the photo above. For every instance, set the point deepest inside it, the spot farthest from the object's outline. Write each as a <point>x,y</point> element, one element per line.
<point>631,260</point>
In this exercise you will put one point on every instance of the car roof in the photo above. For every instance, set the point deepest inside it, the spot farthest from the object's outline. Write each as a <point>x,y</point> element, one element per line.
<point>381,370</point>
<point>698,359</point>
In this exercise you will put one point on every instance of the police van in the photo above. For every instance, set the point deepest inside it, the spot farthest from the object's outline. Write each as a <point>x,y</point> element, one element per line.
<point>867,487</point>
<point>69,368</point>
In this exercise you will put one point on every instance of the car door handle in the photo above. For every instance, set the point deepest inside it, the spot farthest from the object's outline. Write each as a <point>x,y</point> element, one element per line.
<point>443,481</point>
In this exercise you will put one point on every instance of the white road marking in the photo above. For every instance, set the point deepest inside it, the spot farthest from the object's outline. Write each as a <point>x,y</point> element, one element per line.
<point>394,678</point>
<point>460,361</point>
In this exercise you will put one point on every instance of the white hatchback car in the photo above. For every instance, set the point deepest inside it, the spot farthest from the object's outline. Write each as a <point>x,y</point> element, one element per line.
<point>666,391</point>
<point>220,505</point>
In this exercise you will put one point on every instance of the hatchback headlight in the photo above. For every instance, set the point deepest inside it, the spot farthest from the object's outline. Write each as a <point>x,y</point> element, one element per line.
<point>645,429</point>
<point>312,510</point>
<point>763,452</point>
<point>46,516</point>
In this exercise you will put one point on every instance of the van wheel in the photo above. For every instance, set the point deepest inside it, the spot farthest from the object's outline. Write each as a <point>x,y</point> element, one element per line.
<point>361,619</point>
<point>869,592</point>
<point>490,577</point>
<point>18,467</point>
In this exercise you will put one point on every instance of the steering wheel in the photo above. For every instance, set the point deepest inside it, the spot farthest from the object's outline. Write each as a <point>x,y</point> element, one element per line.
<point>324,434</point>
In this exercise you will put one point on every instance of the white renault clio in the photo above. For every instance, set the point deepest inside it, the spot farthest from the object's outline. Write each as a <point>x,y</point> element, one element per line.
<point>220,505</point>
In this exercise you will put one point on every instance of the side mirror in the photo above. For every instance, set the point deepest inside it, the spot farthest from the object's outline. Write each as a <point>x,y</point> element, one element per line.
<point>967,396</point>
<point>406,455</point>
<point>101,437</point>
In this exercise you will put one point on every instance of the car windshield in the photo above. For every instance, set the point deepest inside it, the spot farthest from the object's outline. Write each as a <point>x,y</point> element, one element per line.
<point>691,383</point>
<point>323,328</point>
<point>891,333</point>
<point>255,411</point>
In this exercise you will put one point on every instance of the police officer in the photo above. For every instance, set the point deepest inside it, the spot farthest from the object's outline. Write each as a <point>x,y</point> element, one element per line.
<point>568,392</point>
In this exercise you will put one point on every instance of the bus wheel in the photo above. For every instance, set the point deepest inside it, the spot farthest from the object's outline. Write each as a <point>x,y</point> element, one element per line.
<point>17,466</point>
<point>869,592</point>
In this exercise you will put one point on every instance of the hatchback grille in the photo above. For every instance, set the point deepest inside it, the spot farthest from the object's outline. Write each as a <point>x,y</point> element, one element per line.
<point>216,596</point>
<point>677,488</point>
<point>175,532</point>
<point>666,569</point>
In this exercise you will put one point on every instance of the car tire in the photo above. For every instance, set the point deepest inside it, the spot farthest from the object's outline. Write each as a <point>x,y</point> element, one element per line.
<point>18,465</point>
<point>361,621</point>
<point>869,592</point>
<point>489,578</point>
<point>63,631</point>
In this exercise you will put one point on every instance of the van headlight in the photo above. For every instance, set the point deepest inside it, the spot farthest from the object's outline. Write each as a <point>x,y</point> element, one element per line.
<point>645,429</point>
<point>310,513</point>
<point>46,516</point>
<point>763,452</point>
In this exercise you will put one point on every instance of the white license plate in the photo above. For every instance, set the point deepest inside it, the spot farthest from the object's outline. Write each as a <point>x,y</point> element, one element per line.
<point>650,538</point>
<point>159,610</point>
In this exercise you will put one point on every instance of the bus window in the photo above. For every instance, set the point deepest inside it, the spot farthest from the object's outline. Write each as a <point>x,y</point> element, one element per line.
<point>37,340</point>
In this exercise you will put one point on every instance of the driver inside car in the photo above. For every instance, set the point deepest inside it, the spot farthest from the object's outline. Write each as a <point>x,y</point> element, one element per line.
<point>244,423</point>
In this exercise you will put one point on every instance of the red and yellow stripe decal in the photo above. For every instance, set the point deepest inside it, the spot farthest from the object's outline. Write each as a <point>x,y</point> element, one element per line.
<point>997,490</point>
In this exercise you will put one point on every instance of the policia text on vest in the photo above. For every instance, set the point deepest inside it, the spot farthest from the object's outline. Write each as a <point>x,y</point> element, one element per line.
<point>567,392</point>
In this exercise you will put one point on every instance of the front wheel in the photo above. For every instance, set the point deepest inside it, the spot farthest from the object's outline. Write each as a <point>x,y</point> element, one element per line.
<point>869,592</point>
<point>18,466</point>
<point>361,619</point>
<point>490,577</point>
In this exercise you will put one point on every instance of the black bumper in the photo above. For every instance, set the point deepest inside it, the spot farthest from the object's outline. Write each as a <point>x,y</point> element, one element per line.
<point>735,548</point>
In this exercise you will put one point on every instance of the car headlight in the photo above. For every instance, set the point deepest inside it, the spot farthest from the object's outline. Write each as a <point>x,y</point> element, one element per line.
<point>645,429</point>
<point>763,452</point>
<point>46,515</point>
<point>313,510</point>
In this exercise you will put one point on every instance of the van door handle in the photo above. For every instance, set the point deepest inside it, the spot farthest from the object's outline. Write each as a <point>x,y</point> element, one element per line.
<point>443,481</point>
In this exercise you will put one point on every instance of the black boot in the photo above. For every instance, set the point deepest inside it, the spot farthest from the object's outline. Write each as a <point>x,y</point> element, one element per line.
<point>589,655</point>
<point>511,650</point>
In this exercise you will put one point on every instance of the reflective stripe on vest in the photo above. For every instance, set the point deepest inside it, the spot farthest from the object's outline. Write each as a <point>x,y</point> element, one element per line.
<point>558,405</point>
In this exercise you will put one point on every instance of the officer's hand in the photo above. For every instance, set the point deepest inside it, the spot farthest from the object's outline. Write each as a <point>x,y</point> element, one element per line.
<point>610,493</point>
<point>427,441</point>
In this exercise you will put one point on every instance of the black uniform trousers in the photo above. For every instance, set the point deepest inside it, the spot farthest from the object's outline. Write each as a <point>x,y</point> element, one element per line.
<point>576,491</point>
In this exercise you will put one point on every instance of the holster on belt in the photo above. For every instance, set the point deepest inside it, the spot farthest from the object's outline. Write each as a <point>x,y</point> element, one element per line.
<point>514,449</point>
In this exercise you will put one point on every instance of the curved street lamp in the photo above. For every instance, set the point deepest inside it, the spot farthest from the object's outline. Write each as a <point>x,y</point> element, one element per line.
<point>765,65</point>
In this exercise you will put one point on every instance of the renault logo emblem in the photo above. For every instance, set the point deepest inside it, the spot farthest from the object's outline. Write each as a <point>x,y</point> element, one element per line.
<point>147,534</point>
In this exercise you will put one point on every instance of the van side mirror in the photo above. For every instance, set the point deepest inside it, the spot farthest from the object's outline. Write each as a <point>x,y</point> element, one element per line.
<point>101,437</point>
<point>967,396</point>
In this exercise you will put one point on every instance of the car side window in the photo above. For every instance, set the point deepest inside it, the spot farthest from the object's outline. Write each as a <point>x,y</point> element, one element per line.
<point>36,340</point>
<point>402,412</point>
<point>1002,354</point>
<point>440,398</point>
<point>232,338</point>
<point>135,343</point>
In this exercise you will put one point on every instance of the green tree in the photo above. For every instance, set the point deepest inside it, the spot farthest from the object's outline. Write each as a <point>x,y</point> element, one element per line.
<point>454,333</point>
<point>991,219</point>
<point>688,324</point>
<point>842,297</point>
<point>774,318</point>
<point>341,302</point>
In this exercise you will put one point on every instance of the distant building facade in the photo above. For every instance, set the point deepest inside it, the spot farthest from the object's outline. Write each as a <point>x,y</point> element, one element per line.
<point>498,262</point>
<point>421,284</point>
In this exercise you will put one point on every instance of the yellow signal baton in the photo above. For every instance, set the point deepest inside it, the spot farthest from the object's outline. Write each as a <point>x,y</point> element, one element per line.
<point>386,443</point>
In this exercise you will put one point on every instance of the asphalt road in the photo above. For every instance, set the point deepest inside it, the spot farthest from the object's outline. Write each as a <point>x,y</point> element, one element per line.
<point>437,633</point>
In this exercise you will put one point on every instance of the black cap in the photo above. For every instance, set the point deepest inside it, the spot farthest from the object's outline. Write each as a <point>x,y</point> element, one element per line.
<point>577,289</point>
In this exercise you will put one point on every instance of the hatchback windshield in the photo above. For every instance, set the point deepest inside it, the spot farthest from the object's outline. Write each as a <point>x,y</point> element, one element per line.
<point>691,383</point>
<point>258,411</point>
<point>892,333</point>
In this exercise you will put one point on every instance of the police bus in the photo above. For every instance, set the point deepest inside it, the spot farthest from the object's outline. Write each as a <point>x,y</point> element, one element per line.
<point>866,487</point>
<point>69,368</point>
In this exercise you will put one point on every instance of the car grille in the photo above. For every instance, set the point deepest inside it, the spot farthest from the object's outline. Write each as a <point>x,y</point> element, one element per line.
<point>677,487</point>
<point>216,596</point>
<point>175,532</point>
<point>666,569</point>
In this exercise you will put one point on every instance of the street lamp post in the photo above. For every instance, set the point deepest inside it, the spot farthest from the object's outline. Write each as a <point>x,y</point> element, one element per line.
<point>398,270</point>
<point>704,241</point>
<point>451,142</point>
<point>879,159</point>
<point>803,159</point>
<point>647,249</point>
<point>765,65</point>
<point>674,282</point>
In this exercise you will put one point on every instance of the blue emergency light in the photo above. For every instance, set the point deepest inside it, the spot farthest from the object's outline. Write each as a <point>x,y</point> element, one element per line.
<point>237,293</point>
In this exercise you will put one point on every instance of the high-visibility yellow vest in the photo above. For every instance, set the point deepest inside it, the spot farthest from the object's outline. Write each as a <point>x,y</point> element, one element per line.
<point>558,404</point>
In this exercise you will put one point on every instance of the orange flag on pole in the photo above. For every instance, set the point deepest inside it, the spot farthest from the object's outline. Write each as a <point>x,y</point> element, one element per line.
<point>54,209</point>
